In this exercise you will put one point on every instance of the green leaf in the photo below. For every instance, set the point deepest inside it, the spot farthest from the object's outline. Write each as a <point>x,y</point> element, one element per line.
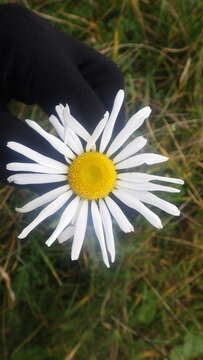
<point>147,311</point>
<point>191,348</point>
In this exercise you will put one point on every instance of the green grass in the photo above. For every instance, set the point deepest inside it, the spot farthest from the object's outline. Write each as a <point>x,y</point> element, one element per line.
<point>149,304</point>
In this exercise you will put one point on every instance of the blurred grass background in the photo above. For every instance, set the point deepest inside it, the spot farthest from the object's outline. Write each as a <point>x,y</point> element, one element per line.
<point>149,305</point>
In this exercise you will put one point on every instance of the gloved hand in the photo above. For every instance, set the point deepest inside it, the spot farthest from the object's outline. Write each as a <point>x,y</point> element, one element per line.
<point>41,65</point>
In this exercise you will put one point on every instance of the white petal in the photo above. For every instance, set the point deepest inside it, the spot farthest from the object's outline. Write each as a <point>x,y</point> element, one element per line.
<point>77,141</point>
<point>145,186</point>
<point>97,132</point>
<point>130,149</point>
<point>43,199</point>
<point>132,125</point>
<point>34,155</point>
<point>108,229</point>
<point>73,221</point>
<point>137,160</point>
<point>57,125</point>
<point>25,179</point>
<point>106,136</point>
<point>97,222</point>
<point>15,166</point>
<point>131,201</point>
<point>64,221</point>
<point>156,201</point>
<point>119,216</point>
<point>59,110</point>
<point>49,210</point>
<point>142,177</point>
<point>66,234</point>
<point>72,140</point>
<point>53,140</point>
<point>80,229</point>
<point>74,124</point>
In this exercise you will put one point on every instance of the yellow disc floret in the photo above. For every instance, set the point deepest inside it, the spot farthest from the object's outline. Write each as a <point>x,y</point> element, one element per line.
<point>92,175</point>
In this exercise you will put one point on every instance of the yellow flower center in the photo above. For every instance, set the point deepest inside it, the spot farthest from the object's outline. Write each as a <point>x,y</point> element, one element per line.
<point>92,175</point>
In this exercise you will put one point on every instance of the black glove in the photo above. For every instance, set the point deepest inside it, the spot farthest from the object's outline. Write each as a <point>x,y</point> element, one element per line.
<point>41,65</point>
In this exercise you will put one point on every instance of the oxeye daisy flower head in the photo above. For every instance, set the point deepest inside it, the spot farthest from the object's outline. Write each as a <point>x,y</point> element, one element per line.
<point>94,167</point>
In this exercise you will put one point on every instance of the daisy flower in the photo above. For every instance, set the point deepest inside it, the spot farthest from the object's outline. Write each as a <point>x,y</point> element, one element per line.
<point>94,168</point>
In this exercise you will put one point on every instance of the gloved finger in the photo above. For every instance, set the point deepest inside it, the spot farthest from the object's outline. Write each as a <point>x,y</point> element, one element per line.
<point>102,75</point>
<point>105,79</point>
<point>19,39</point>
<point>39,64</point>
<point>84,103</point>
